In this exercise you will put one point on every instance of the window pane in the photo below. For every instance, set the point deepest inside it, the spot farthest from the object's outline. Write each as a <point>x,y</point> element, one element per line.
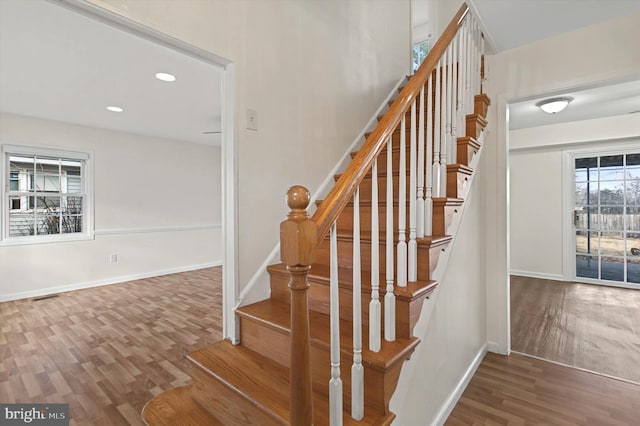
<point>612,269</point>
<point>48,223</point>
<point>46,183</point>
<point>611,218</point>
<point>611,193</point>
<point>14,183</point>
<point>72,205</point>
<point>587,266</point>
<point>612,244</point>
<point>583,197</point>
<point>633,192</point>
<point>71,223</point>
<point>20,223</point>
<point>633,160</point>
<point>74,185</point>
<point>586,242</point>
<point>632,222</point>
<point>611,168</point>
<point>587,218</point>
<point>51,204</point>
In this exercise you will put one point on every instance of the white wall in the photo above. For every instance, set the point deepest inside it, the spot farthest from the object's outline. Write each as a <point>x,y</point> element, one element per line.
<point>452,325</point>
<point>313,70</point>
<point>536,188</point>
<point>593,55</point>
<point>157,206</point>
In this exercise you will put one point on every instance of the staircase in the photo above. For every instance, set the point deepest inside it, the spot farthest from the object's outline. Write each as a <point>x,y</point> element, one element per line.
<point>302,353</point>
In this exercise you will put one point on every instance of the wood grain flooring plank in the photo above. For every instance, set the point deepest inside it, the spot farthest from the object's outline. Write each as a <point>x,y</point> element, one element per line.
<point>593,327</point>
<point>523,390</point>
<point>96,349</point>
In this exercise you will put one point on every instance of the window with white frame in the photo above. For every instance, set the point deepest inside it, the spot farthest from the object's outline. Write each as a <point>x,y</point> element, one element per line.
<point>46,195</point>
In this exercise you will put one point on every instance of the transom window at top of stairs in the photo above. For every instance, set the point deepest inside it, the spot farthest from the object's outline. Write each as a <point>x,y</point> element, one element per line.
<point>46,195</point>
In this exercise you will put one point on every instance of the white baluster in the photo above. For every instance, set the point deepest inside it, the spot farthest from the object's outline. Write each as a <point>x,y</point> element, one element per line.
<point>357,370</point>
<point>420,195</point>
<point>412,247</point>
<point>454,100</point>
<point>481,60</point>
<point>428,201</point>
<point>462,83</point>
<point>335,384</point>
<point>437,134</point>
<point>389,298</point>
<point>375,317</point>
<point>469,67</point>
<point>477,70</point>
<point>402,209</point>
<point>445,126</point>
<point>472,67</point>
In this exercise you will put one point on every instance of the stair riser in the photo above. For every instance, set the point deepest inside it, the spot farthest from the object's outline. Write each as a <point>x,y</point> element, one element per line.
<point>442,217</point>
<point>475,125</point>
<point>407,312</point>
<point>457,183</point>
<point>262,338</point>
<point>481,105</point>
<point>427,258</point>
<point>467,149</point>
<point>215,397</point>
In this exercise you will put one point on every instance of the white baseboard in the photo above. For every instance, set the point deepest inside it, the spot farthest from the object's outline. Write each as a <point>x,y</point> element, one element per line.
<point>494,348</point>
<point>451,402</point>
<point>542,275</point>
<point>107,281</point>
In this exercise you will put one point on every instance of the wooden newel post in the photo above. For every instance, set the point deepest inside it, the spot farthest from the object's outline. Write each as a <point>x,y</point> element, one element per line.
<point>298,241</point>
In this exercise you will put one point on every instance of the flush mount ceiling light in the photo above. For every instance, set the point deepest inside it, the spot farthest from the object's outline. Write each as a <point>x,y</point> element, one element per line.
<point>115,109</point>
<point>554,105</point>
<point>163,76</point>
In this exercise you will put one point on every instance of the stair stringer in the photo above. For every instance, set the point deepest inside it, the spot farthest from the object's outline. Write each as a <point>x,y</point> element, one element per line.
<point>258,288</point>
<point>411,383</point>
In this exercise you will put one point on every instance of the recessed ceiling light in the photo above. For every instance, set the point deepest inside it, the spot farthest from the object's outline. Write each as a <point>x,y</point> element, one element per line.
<point>115,109</point>
<point>165,76</point>
<point>554,105</point>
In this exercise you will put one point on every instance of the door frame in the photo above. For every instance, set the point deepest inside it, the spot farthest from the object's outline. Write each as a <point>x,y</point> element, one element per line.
<point>229,163</point>
<point>595,149</point>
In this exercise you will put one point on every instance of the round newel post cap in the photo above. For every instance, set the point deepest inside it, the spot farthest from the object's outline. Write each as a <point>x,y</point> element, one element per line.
<point>298,198</point>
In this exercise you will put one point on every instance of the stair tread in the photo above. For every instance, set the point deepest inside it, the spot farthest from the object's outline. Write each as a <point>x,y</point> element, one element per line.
<point>262,381</point>
<point>175,406</point>
<point>277,314</point>
<point>319,273</point>
<point>383,172</point>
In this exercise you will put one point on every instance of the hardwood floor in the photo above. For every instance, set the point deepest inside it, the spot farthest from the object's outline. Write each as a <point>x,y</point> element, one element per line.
<point>108,350</point>
<point>520,390</point>
<point>588,326</point>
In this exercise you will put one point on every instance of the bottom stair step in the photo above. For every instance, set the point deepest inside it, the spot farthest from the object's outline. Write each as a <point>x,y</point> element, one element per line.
<point>241,387</point>
<point>176,407</point>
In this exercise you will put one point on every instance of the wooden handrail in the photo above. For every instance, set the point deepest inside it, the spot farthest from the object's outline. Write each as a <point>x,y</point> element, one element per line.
<point>342,192</point>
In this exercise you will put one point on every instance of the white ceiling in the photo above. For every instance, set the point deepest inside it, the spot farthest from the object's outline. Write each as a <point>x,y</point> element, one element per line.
<point>60,65</point>
<point>597,102</point>
<point>513,23</point>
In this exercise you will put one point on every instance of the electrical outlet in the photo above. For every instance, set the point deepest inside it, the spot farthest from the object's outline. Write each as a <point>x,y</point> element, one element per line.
<point>113,258</point>
<point>252,119</point>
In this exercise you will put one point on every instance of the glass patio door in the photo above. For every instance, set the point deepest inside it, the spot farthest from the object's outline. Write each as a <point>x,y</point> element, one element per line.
<point>607,218</point>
